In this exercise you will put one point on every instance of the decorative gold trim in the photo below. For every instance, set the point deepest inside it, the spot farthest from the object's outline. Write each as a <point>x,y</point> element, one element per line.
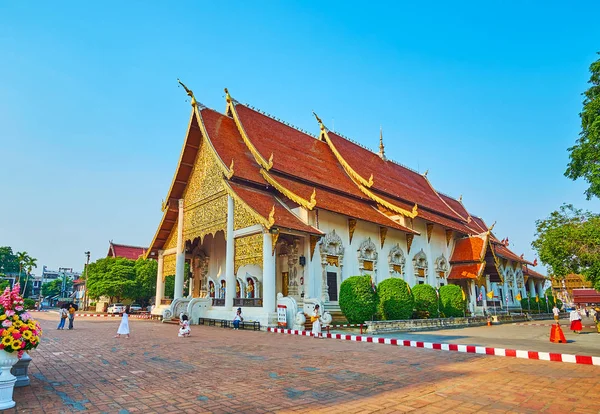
<point>425,173</point>
<point>274,238</point>
<point>289,194</point>
<point>351,227</point>
<point>313,243</point>
<point>257,156</point>
<point>341,160</point>
<point>189,93</point>
<point>230,173</point>
<point>491,227</point>
<point>429,231</point>
<point>412,214</point>
<point>382,234</point>
<point>368,265</point>
<point>448,236</point>
<point>164,205</point>
<point>267,222</point>
<point>333,260</point>
<point>409,240</point>
<point>496,260</point>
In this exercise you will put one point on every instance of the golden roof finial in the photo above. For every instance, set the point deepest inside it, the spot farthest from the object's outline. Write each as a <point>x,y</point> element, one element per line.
<point>189,93</point>
<point>319,121</point>
<point>381,147</point>
<point>460,199</point>
<point>491,227</point>
<point>227,96</point>
<point>425,173</point>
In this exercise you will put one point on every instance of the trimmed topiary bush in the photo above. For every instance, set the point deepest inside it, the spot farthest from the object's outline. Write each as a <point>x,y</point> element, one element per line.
<point>395,299</point>
<point>451,301</point>
<point>426,301</point>
<point>358,302</point>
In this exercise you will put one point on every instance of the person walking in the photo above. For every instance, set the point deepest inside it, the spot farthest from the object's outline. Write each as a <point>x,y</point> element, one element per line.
<point>237,319</point>
<point>575,319</point>
<point>556,312</point>
<point>71,315</point>
<point>63,317</point>
<point>316,321</point>
<point>124,325</point>
<point>597,319</point>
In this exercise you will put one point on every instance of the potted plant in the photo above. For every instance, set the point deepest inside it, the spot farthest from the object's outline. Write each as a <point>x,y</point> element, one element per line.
<point>19,333</point>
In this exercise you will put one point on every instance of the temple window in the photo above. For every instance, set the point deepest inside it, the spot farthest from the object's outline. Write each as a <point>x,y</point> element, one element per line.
<point>420,264</point>
<point>441,269</point>
<point>211,288</point>
<point>367,258</point>
<point>332,254</point>
<point>396,261</point>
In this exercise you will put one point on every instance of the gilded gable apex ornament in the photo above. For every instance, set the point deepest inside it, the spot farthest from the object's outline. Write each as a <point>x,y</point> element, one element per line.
<point>381,147</point>
<point>189,93</point>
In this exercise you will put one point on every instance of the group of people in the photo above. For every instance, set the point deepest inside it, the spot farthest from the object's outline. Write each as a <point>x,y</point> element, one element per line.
<point>66,312</point>
<point>184,323</point>
<point>576,315</point>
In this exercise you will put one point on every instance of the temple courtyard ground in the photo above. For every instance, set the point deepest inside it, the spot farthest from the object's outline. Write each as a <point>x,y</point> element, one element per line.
<point>225,371</point>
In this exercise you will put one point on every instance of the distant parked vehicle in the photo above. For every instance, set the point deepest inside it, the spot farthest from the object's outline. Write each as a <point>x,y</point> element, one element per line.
<point>116,308</point>
<point>135,307</point>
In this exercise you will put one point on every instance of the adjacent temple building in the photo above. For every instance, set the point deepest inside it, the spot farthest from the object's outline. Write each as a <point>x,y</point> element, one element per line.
<point>265,213</point>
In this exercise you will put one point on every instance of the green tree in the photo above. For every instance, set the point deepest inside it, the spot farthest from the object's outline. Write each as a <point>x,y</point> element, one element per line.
<point>29,265</point>
<point>426,301</point>
<point>584,155</point>
<point>396,301</point>
<point>54,287</point>
<point>451,301</point>
<point>22,257</point>
<point>145,279</point>
<point>9,265</point>
<point>568,241</point>
<point>358,301</point>
<point>112,277</point>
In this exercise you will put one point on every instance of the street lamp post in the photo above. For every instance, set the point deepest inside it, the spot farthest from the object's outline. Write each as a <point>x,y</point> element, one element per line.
<point>87,262</point>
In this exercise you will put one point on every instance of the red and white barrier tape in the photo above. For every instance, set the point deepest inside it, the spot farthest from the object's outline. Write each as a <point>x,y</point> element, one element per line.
<point>348,325</point>
<point>471,349</point>
<point>549,325</point>
<point>97,315</point>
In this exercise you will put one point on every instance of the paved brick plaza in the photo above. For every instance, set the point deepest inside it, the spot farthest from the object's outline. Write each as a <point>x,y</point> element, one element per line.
<point>218,370</point>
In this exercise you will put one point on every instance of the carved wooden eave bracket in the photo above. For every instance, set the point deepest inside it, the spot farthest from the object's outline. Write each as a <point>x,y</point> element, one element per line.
<point>496,260</point>
<point>351,227</point>
<point>429,231</point>
<point>349,170</point>
<point>382,235</point>
<point>409,240</point>
<point>267,222</point>
<point>308,204</point>
<point>267,165</point>
<point>313,243</point>
<point>274,237</point>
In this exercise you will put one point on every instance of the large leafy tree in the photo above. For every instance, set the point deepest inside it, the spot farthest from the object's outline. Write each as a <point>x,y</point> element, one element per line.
<point>9,264</point>
<point>568,241</point>
<point>121,278</point>
<point>54,287</point>
<point>585,154</point>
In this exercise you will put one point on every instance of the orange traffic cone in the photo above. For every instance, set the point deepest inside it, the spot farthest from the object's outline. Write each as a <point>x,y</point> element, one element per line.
<point>489,322</point>
<point>557,335</point>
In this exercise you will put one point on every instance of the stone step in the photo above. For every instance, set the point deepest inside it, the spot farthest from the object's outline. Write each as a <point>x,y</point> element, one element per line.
<point>172,321</point>
<point>338,317</point>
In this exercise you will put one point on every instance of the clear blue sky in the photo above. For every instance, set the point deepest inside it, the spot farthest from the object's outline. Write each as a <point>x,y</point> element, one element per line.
<point>486,96</point>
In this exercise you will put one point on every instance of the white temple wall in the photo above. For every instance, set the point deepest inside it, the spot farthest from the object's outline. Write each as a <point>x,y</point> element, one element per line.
<point>214,247</point>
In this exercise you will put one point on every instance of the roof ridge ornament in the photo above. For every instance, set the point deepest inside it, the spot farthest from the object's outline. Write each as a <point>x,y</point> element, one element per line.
<point>381,147</point>
<point>460,199</point>
<point>189,93</point>
<point>425,173</point>
<point>491,227</point>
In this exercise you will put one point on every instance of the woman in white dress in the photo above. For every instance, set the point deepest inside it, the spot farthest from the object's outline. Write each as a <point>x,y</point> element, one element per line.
<point>184,330</point>
<point>316,321</point>
<point>124,325</point>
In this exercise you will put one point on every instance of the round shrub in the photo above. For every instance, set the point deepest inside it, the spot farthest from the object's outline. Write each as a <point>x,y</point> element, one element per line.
<point>358,302</point>
<point>426,301</point>
<point>451,301</point>
<point>29,304</point>
<point>395,299</point>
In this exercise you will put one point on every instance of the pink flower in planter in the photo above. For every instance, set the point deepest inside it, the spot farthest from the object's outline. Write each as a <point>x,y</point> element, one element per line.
<point>16,335</point>
<point>20,354</point>
<point>25,316</point>
<point>10,313</point>
<point>19,308</point>
<point>6,323</point>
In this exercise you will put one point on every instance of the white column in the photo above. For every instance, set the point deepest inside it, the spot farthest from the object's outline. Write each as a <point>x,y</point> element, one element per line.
<point>268,273</point>
<point>229,257</point>
<point>531,284</point>
<point>160,284</point>
<point>473,295</point>
<point>180,258</point>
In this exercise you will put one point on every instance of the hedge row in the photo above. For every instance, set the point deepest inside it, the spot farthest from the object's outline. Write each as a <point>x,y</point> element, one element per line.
<point>394,300</point>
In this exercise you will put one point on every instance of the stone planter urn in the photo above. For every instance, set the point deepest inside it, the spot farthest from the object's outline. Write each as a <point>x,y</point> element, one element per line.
<point>20,369</point>
<point>7,380</point>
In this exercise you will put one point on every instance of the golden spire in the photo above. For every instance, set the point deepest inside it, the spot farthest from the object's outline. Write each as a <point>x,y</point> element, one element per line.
<point>189,93</point>
<point>492,227</point>
<point>319,121</point>
<point>425,173</point>
<point>381,147</point>
<point>460,199</point>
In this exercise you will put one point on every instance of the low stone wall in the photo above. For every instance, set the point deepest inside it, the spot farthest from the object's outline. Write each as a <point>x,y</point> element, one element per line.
<point>411,325</point>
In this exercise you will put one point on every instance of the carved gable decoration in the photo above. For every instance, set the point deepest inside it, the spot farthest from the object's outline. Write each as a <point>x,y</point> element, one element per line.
<point>441,266</point>
<point>420,264</point>
<point>367,255</point>
<point>332,245</point>
<point>396,259</point>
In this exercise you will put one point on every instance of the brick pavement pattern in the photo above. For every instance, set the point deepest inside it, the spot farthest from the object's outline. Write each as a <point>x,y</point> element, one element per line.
<point>225,371</point>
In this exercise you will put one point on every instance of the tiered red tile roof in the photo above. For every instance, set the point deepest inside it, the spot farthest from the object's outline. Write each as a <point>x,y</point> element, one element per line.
<point>588,296</point>
<point>527,271</point>
<point>468,257</point>
<point>302,164</point>
<point>126,251</point>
